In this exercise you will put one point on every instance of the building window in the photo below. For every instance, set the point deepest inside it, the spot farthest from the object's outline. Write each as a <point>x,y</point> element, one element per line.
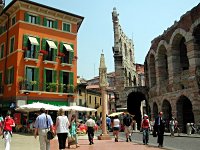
<point>32,18</point>
<point>10,75</point>
<point>95,99</point>
<point>50,23</point>
<point>66,82</point>
<point>12,44</point>
<point>13,20</point>
<point>2,28</point>
<point>68,53</point>
<point>1,51</point>
<point>51,48</point>
<point>80,92</point>
<point>80,102</point>
<point>32,78</point>
<point>90,99</point>
<point>31,46</point>
<point>66,27</point>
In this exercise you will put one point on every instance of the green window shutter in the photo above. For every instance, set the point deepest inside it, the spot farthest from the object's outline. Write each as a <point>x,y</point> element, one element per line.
<point>61,82</point>
<point>26,16</point>
<point>71,82</point>
<point>37,48</point>
<point>55,24</point>
<point>44,43</point>
<point>38,20</point>
<point>45,22</point>
<point>1,79</point>
<point>61,47</point>
<point>25,40</point>
<point>55,51</point>
<point>44,80</point>
<point>12,44</point>
<point>71,56</point>
<point>68,27</point>
<point>64,27</point>
<point>36,78</point>
<point>54,80</point>
<point>12,75</point>
<point>2,51</point>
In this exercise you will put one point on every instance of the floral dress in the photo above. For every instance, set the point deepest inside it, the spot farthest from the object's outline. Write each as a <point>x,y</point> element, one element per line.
<point>73,131</point>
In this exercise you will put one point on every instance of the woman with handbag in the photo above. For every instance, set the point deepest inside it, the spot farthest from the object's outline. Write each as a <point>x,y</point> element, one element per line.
<point>62,128</point>
<point>73,132</point>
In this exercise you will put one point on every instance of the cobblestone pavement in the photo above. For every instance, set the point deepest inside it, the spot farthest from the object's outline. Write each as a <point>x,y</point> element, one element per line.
<point>28,142</point>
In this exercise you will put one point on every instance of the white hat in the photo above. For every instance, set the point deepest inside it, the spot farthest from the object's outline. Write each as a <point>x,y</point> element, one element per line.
<point>145,115</point>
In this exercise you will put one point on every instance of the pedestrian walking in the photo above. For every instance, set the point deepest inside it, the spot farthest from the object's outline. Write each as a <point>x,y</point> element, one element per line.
<point>145,126</point>
<point>90,123</point>
<point>1,124</point>
<point>62,128</point>
<point>159,127</point>
<point>43,124</point>
<point>127,120</point>
<point>116,126</point>
<point>7,130</point>
<point>73,130</point>
<point>172,126</point>
<point>108,122</point>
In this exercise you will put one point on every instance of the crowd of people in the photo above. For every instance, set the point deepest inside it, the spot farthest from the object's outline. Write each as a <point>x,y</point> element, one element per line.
<point>66,128</point>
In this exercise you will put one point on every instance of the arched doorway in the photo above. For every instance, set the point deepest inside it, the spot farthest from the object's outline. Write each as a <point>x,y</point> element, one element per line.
<point>167,112</point>
<point>184,112</point>
<point>134,106</point>
<point>155,110</point>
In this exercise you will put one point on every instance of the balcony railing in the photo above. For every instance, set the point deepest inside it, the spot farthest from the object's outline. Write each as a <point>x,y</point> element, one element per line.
<point>47,87</point>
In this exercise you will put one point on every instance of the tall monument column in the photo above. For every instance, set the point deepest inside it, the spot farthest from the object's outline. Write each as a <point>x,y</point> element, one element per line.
<point>103,84</point>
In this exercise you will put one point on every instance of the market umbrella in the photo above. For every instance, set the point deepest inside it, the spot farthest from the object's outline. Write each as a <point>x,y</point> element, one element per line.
<point>77,108</point>
<point>36,107</point>
<point>115,114</point>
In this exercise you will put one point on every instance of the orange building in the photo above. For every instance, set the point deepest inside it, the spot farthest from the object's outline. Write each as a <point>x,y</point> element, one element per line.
<point>38,54</point>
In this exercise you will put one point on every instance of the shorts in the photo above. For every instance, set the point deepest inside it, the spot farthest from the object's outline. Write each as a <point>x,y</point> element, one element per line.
<point>115,128</point>
<point>128,129</point>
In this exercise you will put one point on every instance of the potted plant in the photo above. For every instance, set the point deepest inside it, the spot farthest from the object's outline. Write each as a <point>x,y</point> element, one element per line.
<point>51,87</point>
<point>70,88</point>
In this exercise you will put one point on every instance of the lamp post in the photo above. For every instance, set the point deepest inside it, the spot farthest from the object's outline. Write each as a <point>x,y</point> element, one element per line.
<point>103,83</point>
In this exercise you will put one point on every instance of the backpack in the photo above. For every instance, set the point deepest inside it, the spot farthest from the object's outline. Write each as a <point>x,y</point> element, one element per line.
<point>127,121</point>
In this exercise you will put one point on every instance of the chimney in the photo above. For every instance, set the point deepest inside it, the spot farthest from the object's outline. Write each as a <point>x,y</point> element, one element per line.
<point>2,4</point>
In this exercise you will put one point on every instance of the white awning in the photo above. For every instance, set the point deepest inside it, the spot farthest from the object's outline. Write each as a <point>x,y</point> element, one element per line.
<point>52,44</point>
<point>68,47</point>
<point>33,40</point>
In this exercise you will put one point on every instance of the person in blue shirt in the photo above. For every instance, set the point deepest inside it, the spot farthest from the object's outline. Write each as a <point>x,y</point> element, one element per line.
<point>108,122</point>
<point>43,124</point>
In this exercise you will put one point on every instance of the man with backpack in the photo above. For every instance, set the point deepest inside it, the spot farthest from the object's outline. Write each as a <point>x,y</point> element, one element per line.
<point>127,120</point>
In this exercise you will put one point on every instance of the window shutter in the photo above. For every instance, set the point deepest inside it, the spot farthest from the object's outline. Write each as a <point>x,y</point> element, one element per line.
<point>61,47</point>
<point>44,80</point>
<point>68,27</point>
<point>44,43</point>
<point>26,16</point>
<point>37,48</point>
<point>12,75</point>
<point>55,51</point>
<point>55,24</point>
<point>54,80</point>
<point>38,20</point>
<point>1,79</point>
<point>36,78</point>
<point>61,81</point>
<point>25,41</point>
<point>45,22</point>
<point>71,56</point>
<point>2,50</point>
<point>71,82</point>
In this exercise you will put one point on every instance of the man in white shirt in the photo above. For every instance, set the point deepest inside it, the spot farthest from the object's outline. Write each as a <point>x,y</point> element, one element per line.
<point>90,123</point>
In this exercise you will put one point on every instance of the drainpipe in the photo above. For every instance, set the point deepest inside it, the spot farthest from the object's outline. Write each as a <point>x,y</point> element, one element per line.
<point>7,46</point>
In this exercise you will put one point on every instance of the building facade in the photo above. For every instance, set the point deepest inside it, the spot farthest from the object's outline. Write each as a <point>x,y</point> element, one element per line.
<point>38,54</point>
<point>172,70</point>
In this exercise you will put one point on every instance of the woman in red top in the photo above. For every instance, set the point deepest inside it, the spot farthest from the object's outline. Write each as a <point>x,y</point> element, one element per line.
<point>145,129</point>
<point>7,130</point>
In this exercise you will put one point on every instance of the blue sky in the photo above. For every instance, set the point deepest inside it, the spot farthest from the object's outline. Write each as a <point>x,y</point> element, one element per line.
<point>141,20</point>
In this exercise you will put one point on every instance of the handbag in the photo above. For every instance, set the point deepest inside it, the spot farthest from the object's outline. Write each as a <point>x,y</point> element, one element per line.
<point>50,134</point>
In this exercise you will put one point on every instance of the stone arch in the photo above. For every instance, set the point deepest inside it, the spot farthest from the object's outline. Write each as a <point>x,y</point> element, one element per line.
<point>180,60</point>
<point>155,110</point>
<point>193,26</point>
<point>167,110</point>
<point>162,62</point>
<point>184,112</point>
<point>134,105</point>
<point>152,70</point>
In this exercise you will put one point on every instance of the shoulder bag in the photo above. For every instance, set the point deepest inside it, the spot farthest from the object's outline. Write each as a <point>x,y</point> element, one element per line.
<point>50,134</point>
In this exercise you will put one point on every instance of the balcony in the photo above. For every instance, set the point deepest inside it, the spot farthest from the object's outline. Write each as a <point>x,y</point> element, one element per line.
<point>28,86</point>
